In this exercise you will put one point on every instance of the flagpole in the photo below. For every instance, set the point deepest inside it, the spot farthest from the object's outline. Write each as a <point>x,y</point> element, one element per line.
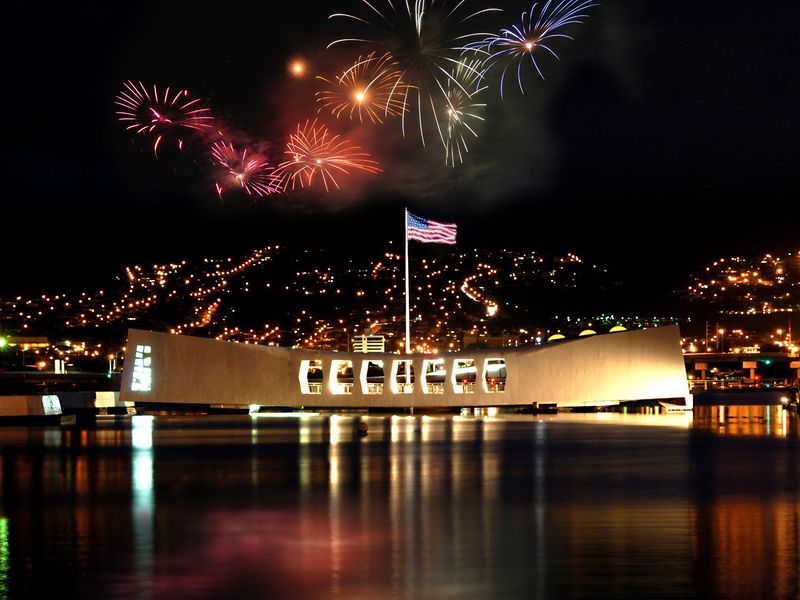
<point>408,302</point>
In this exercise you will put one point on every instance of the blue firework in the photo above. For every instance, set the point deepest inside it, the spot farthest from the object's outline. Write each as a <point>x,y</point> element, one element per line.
<point>518,46</point>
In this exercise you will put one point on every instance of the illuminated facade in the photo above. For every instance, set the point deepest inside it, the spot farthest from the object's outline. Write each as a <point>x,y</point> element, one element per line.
<point>591,371</point>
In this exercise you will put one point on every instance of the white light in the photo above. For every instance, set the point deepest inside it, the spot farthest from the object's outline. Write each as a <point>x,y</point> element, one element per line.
<point>286,415</point>
<point>142,370</point>
<point>142,432</point>
<point>143,475</point>
<point>335,433</point>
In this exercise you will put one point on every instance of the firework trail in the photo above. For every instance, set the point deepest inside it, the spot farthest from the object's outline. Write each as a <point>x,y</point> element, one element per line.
<point>461,112</point>
<point>315,152</point>
<point>146,111</point>
<point>426,38</point>
<point>514,46</point>
<point>243,169</point>
<point>371,89</point>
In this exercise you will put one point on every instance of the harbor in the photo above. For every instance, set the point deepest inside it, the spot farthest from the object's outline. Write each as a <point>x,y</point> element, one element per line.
<point>274,506</point>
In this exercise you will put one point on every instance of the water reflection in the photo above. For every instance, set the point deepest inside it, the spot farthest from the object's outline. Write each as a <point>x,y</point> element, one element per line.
<point>143,503</point>
<point>750,419</point>
<point>336,473</point>
<point>540,505</point>
<point>745,508</point>
<point>429,507</point>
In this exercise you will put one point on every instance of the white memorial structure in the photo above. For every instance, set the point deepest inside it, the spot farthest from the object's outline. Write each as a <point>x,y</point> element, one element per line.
<point>593,371</point>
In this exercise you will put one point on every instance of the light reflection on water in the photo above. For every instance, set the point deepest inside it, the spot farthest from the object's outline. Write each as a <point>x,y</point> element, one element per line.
<point>563,506</point>
<point>758,420</point>
<point>143,503</point>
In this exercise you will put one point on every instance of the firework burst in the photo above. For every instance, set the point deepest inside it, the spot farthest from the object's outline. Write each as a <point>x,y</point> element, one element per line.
<point>461,111</point>
<point>315,153</point>
<point>146,111</point>
<point>426,38</point>
<point>370,89</point>
<point>513,47</point>
<point>243,169</point>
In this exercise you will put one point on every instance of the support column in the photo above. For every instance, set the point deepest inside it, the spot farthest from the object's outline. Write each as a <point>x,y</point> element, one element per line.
<point>702,367</point>
<point>750,364</point>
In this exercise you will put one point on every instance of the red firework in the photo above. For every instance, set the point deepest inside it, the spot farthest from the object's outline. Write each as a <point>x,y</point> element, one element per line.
<point>146,111</point>
<point>315,152</point>
<point>244,169</point>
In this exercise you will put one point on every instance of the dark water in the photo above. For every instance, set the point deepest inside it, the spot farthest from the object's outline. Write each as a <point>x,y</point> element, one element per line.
<point>565,507</point>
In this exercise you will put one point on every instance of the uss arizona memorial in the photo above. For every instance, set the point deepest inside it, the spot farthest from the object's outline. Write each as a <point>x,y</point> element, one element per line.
<point>599,370</point>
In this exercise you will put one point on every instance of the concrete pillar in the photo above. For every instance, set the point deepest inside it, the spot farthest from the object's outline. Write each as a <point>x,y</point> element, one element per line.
<point>702,367</point>
<point>750,364</point>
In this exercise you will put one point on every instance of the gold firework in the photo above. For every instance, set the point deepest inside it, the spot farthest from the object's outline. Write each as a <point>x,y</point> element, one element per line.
<point>370,89</point>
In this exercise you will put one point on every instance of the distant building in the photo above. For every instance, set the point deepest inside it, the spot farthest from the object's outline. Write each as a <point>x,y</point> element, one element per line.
<point>369,343</point>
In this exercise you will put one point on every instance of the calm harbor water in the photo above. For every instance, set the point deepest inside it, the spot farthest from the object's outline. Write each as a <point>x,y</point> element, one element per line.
<point>565,506</point>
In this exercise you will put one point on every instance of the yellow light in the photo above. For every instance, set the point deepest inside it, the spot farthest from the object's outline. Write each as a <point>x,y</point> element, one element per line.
<point>360,96</point>
<point>528,45</point>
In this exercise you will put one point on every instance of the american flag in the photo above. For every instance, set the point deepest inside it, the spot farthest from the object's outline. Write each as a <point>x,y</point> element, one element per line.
<point>426,230</point>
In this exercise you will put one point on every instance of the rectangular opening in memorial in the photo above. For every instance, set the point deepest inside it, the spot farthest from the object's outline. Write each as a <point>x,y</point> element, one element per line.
<point>434,376</point>
<point>402,378</point>
<point>310,377</point>
<point>372,377</point>
<point>494,375</point>
<point>341,377</point>
<point>464,376</point>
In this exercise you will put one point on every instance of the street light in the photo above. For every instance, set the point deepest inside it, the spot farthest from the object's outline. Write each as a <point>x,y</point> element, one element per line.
<point>721,340</point>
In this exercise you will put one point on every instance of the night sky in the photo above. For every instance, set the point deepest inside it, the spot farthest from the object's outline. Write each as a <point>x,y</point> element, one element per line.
<point>667,134</point>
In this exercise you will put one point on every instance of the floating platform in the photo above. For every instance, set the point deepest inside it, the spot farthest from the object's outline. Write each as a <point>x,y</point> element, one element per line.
<point>30,410</point>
